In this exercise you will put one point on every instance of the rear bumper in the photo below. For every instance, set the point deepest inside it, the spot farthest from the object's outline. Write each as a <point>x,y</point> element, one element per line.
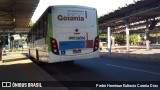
<point>57,58</point>
<point>95,54</point>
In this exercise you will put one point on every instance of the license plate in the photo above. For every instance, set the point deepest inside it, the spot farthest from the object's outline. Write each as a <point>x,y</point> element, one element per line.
<point>77,51</point>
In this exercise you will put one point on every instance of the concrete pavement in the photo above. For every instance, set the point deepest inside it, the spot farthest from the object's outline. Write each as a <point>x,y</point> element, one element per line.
<point>17,67</point>
<point>138,52</point>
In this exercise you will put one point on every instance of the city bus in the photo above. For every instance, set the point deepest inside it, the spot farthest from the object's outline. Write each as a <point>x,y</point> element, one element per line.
<point>65,33</point>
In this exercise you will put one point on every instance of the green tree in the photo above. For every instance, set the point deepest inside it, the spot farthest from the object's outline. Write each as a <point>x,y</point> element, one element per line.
<point>134,39</point>
<point>120,39</point>
<point>31,23</point>
<point>19,42</point>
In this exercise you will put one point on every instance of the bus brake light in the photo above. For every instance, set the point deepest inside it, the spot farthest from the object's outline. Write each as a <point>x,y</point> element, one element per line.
<point>54,46</point>
<point>96,44</point>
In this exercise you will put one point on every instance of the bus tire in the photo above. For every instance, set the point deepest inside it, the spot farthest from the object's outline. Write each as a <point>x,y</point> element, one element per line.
<point>37,57</point>
<point>29,53</point>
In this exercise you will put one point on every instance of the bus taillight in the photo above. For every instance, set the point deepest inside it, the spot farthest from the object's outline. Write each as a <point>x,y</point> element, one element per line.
<point>96,44</point>
<point>54,46</point>
<point>53,41</point>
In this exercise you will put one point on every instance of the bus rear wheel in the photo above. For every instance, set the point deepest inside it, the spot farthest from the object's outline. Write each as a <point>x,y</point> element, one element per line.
<point>37,58</point>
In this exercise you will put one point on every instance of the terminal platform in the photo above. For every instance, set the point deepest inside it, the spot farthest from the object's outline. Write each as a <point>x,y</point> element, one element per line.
<point>138,52</point>
<point>18,67</point>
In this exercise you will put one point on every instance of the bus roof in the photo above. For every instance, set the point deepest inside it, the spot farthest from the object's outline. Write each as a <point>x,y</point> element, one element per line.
<point>70,6</point>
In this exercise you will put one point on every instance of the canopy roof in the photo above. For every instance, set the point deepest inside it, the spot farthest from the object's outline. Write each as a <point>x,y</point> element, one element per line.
<point>16,14</point>
<point>140,11</point>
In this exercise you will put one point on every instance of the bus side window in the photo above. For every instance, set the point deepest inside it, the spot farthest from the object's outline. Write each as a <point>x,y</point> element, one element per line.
<point>36,33</point>
<point>41,29</point>
<point>45,27</point>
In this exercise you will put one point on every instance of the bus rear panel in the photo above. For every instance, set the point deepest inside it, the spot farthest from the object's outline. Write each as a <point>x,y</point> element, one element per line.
<point>75,33</point>
<point>65,33</point>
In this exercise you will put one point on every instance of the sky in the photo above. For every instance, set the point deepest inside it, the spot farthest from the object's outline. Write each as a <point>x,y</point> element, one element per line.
<point>103,6</point>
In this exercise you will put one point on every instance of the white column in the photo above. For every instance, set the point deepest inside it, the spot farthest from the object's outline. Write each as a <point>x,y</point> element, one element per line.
<point>127,35</point>
<point>157,37</point>
<point>113,41</point>
<point>9,40</point>
<point>109,40</point>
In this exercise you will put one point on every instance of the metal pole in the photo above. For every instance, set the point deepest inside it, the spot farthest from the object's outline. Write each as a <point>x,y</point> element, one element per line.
<point>109,40</point>
<point>127,35</point>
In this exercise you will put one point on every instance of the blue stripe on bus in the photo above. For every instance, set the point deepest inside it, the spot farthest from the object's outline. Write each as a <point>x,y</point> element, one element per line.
<point>63,45</point>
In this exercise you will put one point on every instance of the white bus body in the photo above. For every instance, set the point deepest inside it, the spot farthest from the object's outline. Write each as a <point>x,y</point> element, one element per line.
<point>72,34</point>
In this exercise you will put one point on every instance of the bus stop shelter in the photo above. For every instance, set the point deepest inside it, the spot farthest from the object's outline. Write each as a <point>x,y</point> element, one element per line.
<point>15,16</point>
<point>141,16</point>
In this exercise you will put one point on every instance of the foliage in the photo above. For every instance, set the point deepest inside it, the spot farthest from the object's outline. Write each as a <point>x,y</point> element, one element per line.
<point>16,41</point>
<point>154,34</point>
<point>103,36</point>
<point>20,41</point>
<point>120,39</point>
<point>134,39</point>
<point>31,23</point>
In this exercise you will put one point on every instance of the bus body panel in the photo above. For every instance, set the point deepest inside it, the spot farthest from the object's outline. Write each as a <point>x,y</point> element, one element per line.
<point>80,57</point>
<point>75,29</point>
<point>67,42</point>
<point>42,50</point>
<point>55,58</point>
